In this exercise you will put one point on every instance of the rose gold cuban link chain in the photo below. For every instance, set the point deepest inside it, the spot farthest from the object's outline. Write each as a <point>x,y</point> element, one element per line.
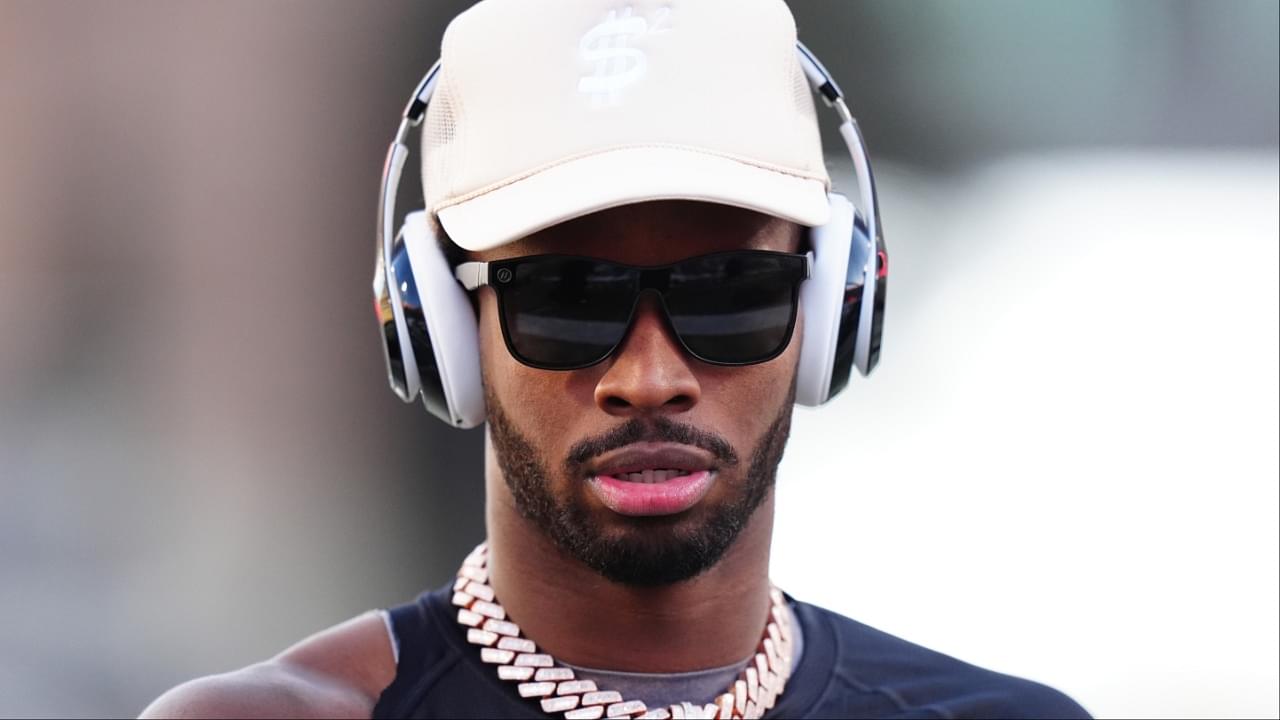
<point>540,677</point>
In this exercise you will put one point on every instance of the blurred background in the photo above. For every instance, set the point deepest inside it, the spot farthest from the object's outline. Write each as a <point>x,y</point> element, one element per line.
<point>1064,468</point>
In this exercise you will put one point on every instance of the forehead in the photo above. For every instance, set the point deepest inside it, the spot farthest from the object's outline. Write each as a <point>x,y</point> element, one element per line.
<point>654,233</point>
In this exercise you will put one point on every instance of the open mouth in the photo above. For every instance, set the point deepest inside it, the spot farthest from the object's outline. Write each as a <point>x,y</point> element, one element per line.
<point>640,498</point>
<point>652,462</point>
<point>649,477</point>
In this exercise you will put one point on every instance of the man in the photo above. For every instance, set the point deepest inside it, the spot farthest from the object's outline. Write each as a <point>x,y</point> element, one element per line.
<point>633,197</point>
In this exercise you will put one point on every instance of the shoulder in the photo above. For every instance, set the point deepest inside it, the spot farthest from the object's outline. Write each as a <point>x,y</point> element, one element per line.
<point>337,672</point>
<point>870,663</point>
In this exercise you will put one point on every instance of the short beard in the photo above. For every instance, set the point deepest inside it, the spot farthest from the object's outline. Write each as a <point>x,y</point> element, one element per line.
<point>662,554</point>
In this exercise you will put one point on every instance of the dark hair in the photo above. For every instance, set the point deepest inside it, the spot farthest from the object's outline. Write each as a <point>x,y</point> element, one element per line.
<point>454,255</point>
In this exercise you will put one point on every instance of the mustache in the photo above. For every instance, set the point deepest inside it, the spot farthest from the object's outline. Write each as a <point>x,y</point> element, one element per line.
<point>652,430</point>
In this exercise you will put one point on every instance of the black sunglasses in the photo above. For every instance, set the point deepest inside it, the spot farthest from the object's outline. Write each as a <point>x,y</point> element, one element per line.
<point>562,312</point>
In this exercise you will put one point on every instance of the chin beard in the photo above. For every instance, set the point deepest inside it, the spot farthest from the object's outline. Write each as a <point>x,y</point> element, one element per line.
<point>657,550</point>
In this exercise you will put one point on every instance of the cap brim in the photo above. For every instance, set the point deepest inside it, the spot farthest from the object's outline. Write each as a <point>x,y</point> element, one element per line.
<point>603,180</point>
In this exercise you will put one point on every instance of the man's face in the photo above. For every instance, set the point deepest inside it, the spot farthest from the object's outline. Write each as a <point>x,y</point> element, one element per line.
<point>648,405</point>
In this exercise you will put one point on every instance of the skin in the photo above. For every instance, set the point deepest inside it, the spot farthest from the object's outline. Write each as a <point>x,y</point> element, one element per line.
<point>710,620</point>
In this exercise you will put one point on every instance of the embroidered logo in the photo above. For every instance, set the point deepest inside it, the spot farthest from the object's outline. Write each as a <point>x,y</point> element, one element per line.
<point>616,64</point>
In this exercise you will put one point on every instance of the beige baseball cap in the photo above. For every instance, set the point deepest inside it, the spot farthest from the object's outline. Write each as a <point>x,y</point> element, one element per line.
<point>546,110</point>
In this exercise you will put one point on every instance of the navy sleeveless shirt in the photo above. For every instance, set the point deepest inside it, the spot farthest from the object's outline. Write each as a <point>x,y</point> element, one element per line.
<point>847,670</point>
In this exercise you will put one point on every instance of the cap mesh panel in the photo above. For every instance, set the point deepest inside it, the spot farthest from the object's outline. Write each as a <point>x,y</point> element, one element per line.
<point>439,135</point>
<point>803,94</point>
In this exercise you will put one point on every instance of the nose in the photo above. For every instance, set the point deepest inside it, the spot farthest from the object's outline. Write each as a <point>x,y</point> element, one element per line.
<point>649,373</point>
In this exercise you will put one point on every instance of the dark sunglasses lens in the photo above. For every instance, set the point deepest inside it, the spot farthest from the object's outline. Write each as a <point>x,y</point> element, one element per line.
<point>567,312</point>
<point>735,308</point>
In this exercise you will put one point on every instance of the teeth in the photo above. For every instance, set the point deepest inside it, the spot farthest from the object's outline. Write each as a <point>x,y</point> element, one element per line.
<point>648,477</point>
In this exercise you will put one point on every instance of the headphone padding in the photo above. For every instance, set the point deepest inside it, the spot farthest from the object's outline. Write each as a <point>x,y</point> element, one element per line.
<point>406,383</point>
<point>821,297</point>
<point>451,324</point>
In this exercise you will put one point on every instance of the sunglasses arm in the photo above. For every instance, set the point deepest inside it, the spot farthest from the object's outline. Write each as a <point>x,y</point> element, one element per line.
<point>472,274</point>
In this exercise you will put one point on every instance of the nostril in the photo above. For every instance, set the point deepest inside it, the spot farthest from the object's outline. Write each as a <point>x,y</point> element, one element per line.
<point>680,402</point>
<point>613,402</point>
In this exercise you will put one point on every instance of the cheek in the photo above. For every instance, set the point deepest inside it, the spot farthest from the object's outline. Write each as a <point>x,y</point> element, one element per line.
<point>541,404</point>
<point>749,398</point>
<point>492,348</point>
<point>504,378</point>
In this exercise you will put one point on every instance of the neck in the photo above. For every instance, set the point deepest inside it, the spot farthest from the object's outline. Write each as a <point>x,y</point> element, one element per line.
<point>576,615</point>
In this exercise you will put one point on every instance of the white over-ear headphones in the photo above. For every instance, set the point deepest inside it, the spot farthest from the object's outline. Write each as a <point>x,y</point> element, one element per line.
<point>429,327</point>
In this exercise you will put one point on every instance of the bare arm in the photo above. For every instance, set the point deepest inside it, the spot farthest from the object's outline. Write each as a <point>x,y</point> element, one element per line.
<point>264,690</point>
<point>336,673</point>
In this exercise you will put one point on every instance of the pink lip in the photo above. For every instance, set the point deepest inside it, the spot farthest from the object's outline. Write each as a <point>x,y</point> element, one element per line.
<point>645,499</point>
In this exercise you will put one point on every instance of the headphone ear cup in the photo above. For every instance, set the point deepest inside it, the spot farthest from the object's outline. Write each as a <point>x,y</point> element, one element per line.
<point>444,346</point>
<point>877,291</point>
<point>855,324</point>
<point>822,300</point>
<point>391,305</point>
